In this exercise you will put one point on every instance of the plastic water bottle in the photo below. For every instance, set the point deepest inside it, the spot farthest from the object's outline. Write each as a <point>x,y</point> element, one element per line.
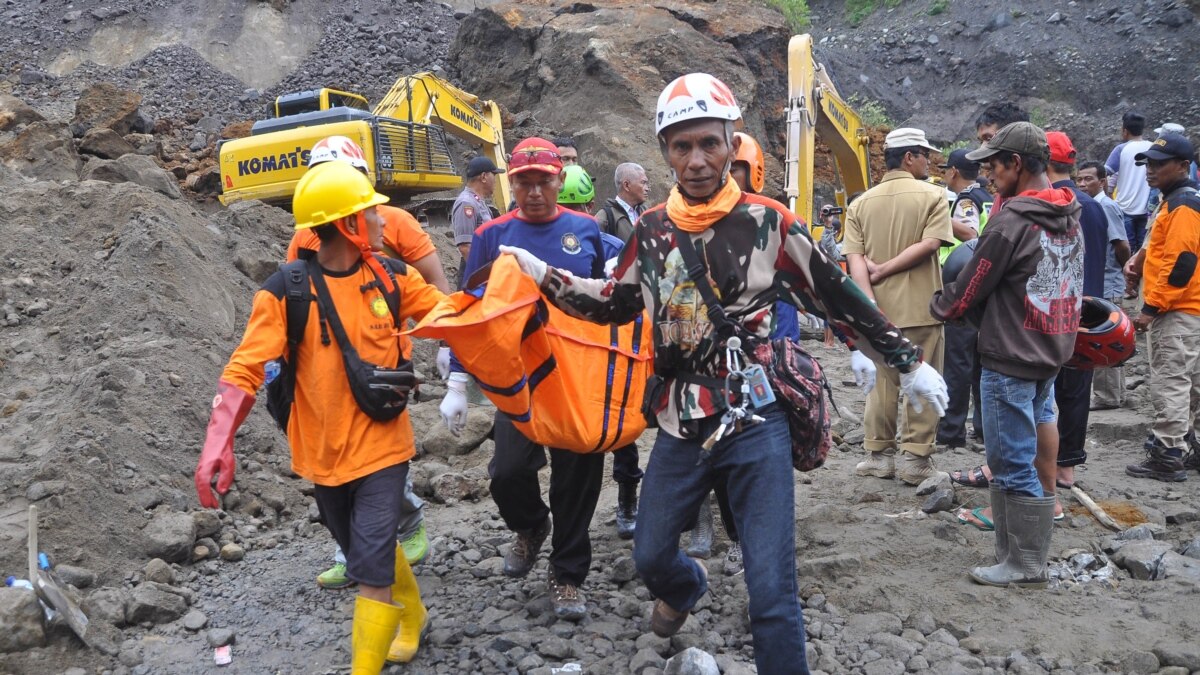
<point>14,582</point>
<point>272,369</point>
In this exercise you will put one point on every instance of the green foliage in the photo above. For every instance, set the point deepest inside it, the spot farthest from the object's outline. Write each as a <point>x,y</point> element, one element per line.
<point>937,7</point>
<point>872,112</point>
<point>795,12</point>
<point>1038,117</point>
<point>858,10</point>
<point>957,145</point>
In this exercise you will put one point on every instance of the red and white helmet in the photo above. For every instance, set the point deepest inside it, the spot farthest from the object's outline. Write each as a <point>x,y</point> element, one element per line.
<point>339,148</point>
<point>1105,338</point>
<point>692,97</point>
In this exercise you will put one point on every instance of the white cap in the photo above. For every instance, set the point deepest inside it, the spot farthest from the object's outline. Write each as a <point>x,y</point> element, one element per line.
<point>1169,128</point>
<point>907,137</point>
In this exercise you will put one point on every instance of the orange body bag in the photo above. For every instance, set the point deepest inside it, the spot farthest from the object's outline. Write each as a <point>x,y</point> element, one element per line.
<point>564,382</point>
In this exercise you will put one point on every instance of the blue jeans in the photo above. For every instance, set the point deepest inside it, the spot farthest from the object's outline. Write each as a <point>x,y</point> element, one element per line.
<point>756,467</point>
<point>1012,407</point>
<point>1135,230</point>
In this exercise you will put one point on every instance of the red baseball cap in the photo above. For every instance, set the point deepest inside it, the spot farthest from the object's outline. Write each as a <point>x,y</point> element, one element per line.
<point>535,154</point>
<point>1061,148</point>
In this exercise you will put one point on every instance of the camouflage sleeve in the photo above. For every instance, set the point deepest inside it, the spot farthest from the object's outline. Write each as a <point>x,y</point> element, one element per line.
<point>806,271</point>
<point>616,300</point>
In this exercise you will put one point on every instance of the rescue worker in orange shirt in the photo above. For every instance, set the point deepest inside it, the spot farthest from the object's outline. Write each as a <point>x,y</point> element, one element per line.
<point>403,239</point>
<point>357,463</point>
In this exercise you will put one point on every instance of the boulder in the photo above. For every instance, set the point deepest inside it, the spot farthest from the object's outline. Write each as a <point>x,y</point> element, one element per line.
<point>439,442</point>
<point>134,168</point>
<point>208,524</point>
<point>43,150</point>
<point>15,113</point>
<point>1175,566</point>
<point>205,181</point>
<point>692,661</point>
<point>20,620</point>
<point>104,143</point>
<point>554,64</point>
<point>170,536</point>
<point>79,577</point>
<point>159,571</point>
<point>145,144</point>
<point>106,106</point>
<point>1141,558</point>
<point>151,604</point>
<point>106,604</point>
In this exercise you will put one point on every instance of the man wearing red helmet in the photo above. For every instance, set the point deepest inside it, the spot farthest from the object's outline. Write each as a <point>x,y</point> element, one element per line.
<point>753,251</point>
<point>572,240</point>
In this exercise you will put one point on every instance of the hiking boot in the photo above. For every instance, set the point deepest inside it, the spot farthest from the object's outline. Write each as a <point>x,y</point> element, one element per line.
<point>566,599</point>
<point>1192,459</point>
<point>700,544</point>
<point>877,464</point>
<point>416,547</point>
<point>626,510</point>
<point>733,560</point>
<point>334,577</point>
<point>1161,463</point>
<point>1027,524</point>
<point>665,620</point>
<point>524,551</point>
<point>914,469</point>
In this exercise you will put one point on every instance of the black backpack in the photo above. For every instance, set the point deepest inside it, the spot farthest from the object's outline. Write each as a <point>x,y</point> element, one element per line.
<point>299,298</point>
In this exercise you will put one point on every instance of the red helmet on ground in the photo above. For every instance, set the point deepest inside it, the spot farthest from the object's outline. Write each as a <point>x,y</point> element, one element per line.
<point>1105,337</point>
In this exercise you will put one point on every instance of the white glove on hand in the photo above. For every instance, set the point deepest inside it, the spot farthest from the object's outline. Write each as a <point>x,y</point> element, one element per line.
<point>610,267</point>
<point>454,405</point>
<point>530,263</point>
<point>864,371</point>
<point>443,362</point>
<point>925,383</point>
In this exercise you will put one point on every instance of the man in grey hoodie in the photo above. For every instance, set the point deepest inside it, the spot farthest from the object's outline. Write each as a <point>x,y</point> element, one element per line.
<point>1028,269</point>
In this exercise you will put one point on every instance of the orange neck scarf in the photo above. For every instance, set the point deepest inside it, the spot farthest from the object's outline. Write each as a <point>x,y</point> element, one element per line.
<point>695,218</point>
<point>359,239</point>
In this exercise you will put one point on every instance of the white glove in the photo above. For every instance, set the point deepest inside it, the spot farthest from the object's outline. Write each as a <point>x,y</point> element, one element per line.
<point>925,383</point>
<point>443,362</point>
<point>864,371</point>
<point>530,263</point>
<point>454,405</point>
<point>610,267</point>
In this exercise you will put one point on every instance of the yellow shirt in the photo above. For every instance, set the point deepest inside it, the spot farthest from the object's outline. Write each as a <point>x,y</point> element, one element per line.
<point>889,218</point>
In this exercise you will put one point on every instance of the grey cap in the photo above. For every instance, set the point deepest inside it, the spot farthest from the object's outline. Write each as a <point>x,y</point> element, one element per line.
<point>1023,138</point>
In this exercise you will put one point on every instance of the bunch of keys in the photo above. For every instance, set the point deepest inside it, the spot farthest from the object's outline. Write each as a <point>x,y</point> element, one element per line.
<point>753,391</point>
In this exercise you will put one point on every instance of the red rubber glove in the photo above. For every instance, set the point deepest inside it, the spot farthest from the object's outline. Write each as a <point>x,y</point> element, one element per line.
<point>229,409</point>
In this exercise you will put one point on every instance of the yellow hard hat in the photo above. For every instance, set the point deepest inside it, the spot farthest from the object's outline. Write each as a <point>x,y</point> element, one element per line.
<point>331,191</point>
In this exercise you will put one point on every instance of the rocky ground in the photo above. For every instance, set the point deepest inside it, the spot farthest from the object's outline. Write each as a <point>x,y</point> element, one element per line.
<point>122,292</point>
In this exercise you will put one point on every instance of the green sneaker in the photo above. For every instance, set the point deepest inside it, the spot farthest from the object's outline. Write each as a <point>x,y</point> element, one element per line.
<point>416,547</point>
<point>334,577</point>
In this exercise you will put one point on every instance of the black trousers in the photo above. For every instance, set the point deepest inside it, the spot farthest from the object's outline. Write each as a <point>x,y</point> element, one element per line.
<point>961,369</point>
<point>362,516</point>
<point>574,489</point>
<point>1073,394</point>
<point>625,465</point>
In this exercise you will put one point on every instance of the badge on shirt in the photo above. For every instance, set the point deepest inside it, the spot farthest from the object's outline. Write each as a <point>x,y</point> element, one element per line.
<point>570,243</point>
<point>968,210</point>
<point>469,211</point>
<point>379,307</point>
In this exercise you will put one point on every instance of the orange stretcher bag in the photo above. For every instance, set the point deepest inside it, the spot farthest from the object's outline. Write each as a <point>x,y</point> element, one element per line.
<point>564,382</point>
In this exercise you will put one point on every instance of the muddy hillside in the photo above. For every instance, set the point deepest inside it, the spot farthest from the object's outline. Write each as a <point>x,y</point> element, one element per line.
<point>125,285</point>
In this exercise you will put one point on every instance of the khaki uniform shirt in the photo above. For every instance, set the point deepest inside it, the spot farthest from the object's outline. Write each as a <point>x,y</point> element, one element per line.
<point>889,218</point>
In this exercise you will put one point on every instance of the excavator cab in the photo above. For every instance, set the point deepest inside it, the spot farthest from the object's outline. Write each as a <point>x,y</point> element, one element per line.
<point>317,99</point>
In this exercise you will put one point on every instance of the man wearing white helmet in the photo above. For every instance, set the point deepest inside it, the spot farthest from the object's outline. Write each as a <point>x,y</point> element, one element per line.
<point>403,239</point>
<point>751,251</point>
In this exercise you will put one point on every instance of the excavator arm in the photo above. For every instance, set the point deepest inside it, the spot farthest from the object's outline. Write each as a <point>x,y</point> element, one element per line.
<point>425,98</point>
<point>814,109</point>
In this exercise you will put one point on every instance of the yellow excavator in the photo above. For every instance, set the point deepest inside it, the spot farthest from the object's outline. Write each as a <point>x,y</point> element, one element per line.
<point>404,139</point>
<point>814,109</point>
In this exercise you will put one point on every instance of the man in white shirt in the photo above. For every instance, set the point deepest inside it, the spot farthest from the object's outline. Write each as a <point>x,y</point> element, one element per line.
<point>1128,179</point>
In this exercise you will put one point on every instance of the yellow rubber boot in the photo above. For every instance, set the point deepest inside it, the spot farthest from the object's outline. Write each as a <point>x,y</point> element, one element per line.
<point>374,627</point>
<point>413,619</point>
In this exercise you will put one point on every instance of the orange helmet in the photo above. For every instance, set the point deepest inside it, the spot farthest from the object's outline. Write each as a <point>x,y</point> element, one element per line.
<point>1105,338</point>
<point>751,153</point>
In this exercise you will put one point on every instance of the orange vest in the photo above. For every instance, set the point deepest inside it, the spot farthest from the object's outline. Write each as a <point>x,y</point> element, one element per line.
<point>565,383</point>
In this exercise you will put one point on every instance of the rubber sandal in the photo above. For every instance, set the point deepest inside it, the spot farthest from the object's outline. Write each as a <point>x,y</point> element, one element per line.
<point>973,478</point>
<point>980,522</point>
<point>1063,484</point>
